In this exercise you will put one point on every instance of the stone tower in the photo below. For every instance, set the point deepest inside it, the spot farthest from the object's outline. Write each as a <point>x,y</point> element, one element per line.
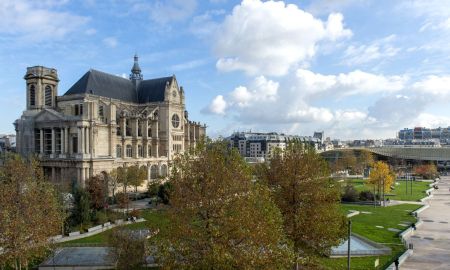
<point>42,87</point>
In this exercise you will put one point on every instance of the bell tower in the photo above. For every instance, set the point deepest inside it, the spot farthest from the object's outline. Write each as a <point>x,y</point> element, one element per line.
<point>136,75</point>
<point>42,87</point>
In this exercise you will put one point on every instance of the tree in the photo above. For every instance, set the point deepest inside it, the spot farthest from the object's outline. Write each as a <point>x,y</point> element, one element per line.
<point>308,200</point>
<point>139,177</point>
<point>127,248</point>
<point>82,209</point>
<point>218,218</point>
<point>95,186</point>
<point>164,192</point>
<point>113,180</point>
<point>365,160</point>
<point>381,177</point>
<point>349,160</point>
<point>30,212</point>
<point>427,171</point>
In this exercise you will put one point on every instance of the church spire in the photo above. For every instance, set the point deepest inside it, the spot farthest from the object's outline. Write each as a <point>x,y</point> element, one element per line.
<point>136,70</point>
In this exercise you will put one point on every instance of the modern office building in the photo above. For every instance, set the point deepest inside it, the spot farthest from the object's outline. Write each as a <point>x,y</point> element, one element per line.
<point>421,133</point>
<point>102,122</point>
<point>260,146</point>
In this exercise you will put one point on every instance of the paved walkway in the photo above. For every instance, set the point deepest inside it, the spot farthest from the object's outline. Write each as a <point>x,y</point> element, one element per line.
<point>432,239</point>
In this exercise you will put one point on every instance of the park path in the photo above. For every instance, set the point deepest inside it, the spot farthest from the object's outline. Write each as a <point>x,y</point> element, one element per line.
<point>431,241</point>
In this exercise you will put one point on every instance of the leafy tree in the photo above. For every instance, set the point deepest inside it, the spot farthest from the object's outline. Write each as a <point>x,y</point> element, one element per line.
<point>81,210</point>
<point>308,200</point>
<point>164,192</point>
<point>427,171</point>
<point>364,160</point>
<point>140,177</point>
<point>132,175</point>
<point>349,160</point>
<point>219,219</point>
<point>381,177</point>
<point>95,186</point>
<point>128,249</point>
<point>30,212</point>
<point>113,180</point>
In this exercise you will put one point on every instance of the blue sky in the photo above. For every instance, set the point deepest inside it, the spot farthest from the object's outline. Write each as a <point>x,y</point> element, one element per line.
<point>352,68</point>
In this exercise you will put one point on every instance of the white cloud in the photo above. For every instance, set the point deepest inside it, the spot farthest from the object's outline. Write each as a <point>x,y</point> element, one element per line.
<point>362,54</point>
<point>305,102</point>
<point>261,89</point>
<point>34,20</point>
<point>269,37</point>
<point>110,42</point>
<point>434,85</point>
<point>347,84</point>
<point>217,106</point>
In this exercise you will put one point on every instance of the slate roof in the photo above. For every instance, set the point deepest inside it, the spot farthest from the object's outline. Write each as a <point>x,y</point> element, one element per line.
<point>107,85</point>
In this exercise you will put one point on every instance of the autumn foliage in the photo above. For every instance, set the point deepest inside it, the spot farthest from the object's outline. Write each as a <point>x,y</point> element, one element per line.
<point>29,212</point>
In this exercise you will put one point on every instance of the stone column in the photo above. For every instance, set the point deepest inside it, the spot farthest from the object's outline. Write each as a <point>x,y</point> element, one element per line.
<point>41,139</point>
<point>62,147</point>
<point>53,142</point>
<point>124,127</point>
<point>88,140</point>
<point>145,129</point>
<point>66,140</point>
<point>80,140</point>
<point>82,177</point>
<point>157,139</point>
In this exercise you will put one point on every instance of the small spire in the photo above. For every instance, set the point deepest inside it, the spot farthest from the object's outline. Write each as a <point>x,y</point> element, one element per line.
<point>136,70</point>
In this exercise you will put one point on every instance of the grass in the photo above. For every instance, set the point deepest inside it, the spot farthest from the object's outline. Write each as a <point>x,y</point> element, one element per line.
<point>418,189</point>
<point>364,225</point>
<point>154,219</point>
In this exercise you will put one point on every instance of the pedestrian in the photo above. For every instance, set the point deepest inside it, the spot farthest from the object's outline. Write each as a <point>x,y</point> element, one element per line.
<point>413,226</point>
<point>396,264</point>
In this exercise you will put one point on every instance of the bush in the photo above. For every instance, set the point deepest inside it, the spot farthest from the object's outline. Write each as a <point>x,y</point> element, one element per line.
<point>350,194</point>
<point>100,217</point>
<point>135,213</point>
<point>366,195</point>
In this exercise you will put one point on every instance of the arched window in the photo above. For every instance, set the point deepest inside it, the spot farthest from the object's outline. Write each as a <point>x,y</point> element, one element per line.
<point>140,151</point>
<point>129,150</point>
<point>118,150</point>
<point>48,96</point>
<point>149,154</point>
<point>154,172</point>
<point>149,132</point>
<point>32,95</point>
<point>164,170</point>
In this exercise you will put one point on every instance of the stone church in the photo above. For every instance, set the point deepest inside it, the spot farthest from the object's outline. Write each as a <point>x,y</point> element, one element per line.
<point>102,122</point>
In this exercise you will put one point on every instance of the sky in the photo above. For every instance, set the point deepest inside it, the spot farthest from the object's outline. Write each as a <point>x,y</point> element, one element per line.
<point>354,69</point>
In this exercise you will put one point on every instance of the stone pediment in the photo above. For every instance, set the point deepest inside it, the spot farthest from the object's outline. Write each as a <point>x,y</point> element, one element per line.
<point>48,116</point>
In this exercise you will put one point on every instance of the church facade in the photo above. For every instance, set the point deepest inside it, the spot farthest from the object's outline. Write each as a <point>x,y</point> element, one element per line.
<point>102,122</point>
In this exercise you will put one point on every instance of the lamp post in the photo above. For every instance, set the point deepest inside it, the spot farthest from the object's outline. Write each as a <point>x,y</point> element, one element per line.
<point>348,244</point>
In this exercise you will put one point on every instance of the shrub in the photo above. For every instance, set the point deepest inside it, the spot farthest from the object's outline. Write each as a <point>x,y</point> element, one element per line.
<point>100,217</point>
<point>366,195</point>
<point>350,194</point>
<point>135,213</point>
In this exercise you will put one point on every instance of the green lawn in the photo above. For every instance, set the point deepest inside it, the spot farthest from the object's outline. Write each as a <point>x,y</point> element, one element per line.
<point>399,193</point>
<point>154,219</point>
<point>364,225</point>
